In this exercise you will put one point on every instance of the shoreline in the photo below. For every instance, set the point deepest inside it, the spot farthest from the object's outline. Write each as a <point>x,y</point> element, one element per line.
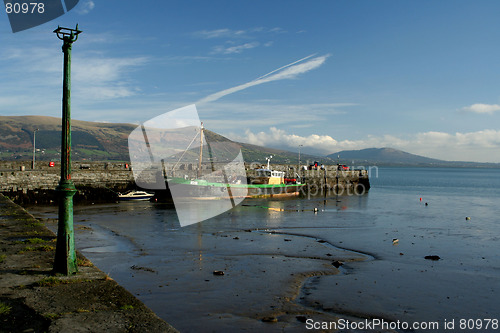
<point>265,252</point>
<point>278,305</point>
<point>32,299</point>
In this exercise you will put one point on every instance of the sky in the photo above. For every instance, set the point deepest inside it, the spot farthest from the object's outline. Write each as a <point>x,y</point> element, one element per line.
<point>324,75</point>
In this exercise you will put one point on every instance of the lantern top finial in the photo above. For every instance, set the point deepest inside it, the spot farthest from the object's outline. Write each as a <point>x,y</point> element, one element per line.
<point>67,33</point>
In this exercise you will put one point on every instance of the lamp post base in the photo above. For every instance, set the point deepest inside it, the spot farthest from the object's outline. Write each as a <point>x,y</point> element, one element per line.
<point>65,259</point>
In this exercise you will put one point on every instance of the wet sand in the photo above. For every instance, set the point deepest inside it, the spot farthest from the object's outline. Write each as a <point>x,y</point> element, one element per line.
<point>33,299</point>
<point>262,285</point>
<point>276,275</point>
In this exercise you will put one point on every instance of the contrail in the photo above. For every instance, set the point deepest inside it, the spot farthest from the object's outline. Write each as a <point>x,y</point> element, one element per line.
<point>293,63</point>
<point>289,71</point>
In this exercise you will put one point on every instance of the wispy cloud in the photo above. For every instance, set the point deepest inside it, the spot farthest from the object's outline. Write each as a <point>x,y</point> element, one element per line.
<point>34,87</point>
<point>219,33</point>
<point>85,7</point>
<point>231,33</point>
<point>101,78</point>
<point>93,70</point>
<point>482,108</point>
<point>264,113</point>
<point>286,72</point>
<point>234,49</point>
<point>237,41</point>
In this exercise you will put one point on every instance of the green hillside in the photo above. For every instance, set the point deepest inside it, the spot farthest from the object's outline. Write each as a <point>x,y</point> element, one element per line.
<point>90,140</point>
<point>106,141</point>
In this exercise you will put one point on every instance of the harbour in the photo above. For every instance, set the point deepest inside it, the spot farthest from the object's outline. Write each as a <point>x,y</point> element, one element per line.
<point>249,167</point>
<point>101,181</point>
<point>278,256</point>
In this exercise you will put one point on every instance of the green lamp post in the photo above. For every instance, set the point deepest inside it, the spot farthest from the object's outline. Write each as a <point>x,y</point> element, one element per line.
<point>65,258</point>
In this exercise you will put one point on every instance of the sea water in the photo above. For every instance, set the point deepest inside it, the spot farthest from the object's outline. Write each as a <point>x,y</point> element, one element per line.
<point>382,238</point>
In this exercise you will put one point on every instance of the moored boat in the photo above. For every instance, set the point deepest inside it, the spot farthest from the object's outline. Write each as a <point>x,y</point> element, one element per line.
<point>135,196</point>
<point>266,183</point>
<point>202,189</point>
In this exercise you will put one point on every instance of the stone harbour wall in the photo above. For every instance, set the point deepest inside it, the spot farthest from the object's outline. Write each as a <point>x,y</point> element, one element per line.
<point>19,177</point>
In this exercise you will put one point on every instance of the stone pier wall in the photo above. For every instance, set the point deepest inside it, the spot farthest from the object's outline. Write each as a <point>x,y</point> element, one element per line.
<point>18,176</point>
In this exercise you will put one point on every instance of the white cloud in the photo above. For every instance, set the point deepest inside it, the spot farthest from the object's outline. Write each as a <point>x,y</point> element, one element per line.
<point>289,71</point>
<point>86,7</point>
<point>266,113</point>
<point>234,49</point>
<point>34,87</point>
<point>103,70</point>
<point>230,33</point>
<point>280,136</point>
<point>104,78</point>
<point>482,108</point>
<point>480,146</point>
<point>219,33</point>
<point>237,41</point>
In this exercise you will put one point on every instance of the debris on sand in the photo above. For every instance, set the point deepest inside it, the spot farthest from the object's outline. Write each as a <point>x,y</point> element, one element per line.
<point>140,268</point>
<point>337,263</point>
<point>302,319</point>
<point>270,320</point>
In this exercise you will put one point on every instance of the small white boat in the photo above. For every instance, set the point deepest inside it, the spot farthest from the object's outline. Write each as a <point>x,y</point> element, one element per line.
<point>135,195</point>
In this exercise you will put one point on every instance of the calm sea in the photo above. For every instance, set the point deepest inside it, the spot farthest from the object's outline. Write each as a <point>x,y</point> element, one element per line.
<point>263,245</point>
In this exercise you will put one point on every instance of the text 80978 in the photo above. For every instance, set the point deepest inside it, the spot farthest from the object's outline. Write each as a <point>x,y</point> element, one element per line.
<point>25,8</point>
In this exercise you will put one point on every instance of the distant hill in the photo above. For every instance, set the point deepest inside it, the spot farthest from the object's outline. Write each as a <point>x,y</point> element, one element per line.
<point>109,142</point>
<point>383,156</point>
<point>90,140</point>
<point>101,141</point>
<point>395,157</point>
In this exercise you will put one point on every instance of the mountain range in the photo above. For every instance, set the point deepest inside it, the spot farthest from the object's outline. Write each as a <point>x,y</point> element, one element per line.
<point>109,141</point>
<point>99,141</point>
<point>395,157</point>
<point>384,156</point>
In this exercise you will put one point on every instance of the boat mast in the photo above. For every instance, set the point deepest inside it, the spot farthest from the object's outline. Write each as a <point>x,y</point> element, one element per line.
<point>201,151</point>
<point>269,161</point>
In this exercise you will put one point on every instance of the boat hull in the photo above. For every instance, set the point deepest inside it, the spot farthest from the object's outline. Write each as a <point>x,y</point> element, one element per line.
<point>135,196</point>
<point>202,190</point>
<point>145,198</point>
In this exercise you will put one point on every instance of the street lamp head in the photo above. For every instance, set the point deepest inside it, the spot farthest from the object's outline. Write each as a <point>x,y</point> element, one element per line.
<point>67,33</point>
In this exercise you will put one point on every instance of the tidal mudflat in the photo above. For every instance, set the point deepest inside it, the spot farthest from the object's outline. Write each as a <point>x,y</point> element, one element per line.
<point>279,264</point>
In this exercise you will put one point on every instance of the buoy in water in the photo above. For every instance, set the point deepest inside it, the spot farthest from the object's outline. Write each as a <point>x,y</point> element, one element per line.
<point>315,209</point>
<point>467,218</point>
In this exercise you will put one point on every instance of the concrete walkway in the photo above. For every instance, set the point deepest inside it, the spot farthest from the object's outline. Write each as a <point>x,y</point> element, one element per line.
<point>33,300</point>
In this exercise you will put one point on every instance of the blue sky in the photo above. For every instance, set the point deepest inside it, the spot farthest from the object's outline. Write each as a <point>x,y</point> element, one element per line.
<point>421,76</point>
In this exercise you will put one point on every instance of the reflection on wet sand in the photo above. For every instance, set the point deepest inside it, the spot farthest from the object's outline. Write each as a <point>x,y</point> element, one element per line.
<point>284,262</point>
